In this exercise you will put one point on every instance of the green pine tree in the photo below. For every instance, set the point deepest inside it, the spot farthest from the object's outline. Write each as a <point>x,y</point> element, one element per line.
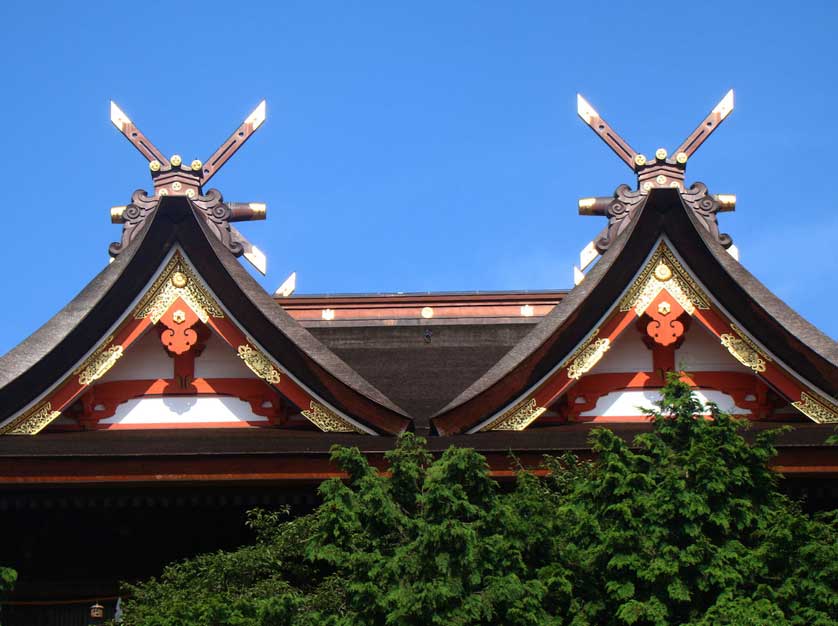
<point>685,525</point>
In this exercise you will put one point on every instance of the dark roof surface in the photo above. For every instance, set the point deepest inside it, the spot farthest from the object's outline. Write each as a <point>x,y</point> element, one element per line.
<point>475,363</point>
<point>38,362</point>
<point>215,441</point>
<point>422,366</point>
<point>810,353</point>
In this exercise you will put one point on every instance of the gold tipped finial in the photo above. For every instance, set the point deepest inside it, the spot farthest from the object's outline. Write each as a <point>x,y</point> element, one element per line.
<point>725,106</point>
<point>172,177</point>
<point>256,118</point>
<point>118,117</point>
<point>584,109</point>
<point>661,172</point>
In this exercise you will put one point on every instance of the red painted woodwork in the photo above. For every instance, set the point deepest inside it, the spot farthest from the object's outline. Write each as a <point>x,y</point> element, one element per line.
<point>665,326</point>
<point>101,401</point>
<point>774,375</point>
<point>559,382</point>
<point>663,335</point>
<point>409,306</point>
<point>70,389</point>
<point>663,358</point>
<point>234,337</point>
<point>178,336</point>
<point>747,390</point>
<point>297,467</point>
<point>184,341</point>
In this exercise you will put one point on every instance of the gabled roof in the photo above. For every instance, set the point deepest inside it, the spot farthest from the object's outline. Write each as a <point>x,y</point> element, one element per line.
<point>806,353</point>
<point>34,367</point>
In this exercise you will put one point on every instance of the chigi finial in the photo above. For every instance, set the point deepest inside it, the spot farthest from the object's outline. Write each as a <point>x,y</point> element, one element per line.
<point>174,177</point>
<point>663,170</point>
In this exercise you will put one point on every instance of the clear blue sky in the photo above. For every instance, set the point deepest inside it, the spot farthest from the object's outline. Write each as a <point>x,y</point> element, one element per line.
<point>432,146</point>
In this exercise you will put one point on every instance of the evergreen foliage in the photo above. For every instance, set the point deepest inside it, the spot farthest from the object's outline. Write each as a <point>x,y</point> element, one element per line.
<point>8,578</point>
<point>685,526</point>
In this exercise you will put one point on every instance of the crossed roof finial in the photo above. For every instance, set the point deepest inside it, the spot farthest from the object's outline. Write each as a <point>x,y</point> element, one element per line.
<point>173,177</point>
<point>663,171</point>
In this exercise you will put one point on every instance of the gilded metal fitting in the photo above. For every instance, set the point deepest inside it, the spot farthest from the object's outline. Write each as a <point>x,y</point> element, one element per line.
<point>179,280</point>
<point>175,160</point>
<point>116,214</point>
<point>660,179</point>
<point>260,210</point>
<point>639,160</point>
<point>681,158</point>
<point>586,203</point>
<point>154,165</point>
<point>660,154</point>
<point>196,165</point>
<point>727,201</point>
<point>662,272</point>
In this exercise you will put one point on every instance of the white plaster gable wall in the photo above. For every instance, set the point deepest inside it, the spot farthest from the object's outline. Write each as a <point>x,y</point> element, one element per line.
<point>219,360</point>
<point>630,403</point>
<point>183,410</point>
<point>703,352</point>
<point>145,359</point>
<point>628,353</point>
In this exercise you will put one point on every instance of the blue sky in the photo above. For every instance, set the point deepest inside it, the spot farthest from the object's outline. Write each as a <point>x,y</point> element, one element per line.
<point>415,147</point>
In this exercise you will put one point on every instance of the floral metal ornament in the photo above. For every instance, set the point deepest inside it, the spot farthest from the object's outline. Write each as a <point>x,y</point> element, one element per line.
<point>744,350</point>
<point>98,364</point>
<point>328,421</point>
<point>518,417</point>
<point>259,364</point>
<point>32,422</point>
<point>817,408</point>
<point>177,280</point>
<point>664,271</point>
<point>586,356</point>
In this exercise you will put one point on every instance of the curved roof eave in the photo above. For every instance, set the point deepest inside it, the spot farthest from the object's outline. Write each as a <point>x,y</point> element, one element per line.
<point>33,365</point>
<point>799,344</point>
<point>29,369</point>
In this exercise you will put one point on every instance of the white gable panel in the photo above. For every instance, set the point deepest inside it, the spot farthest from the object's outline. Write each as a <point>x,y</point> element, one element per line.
<point>183,410</point>
<point>145,359</point>
<point>219,360</point>
<point>628,353</point>
<point>631,402</point>
<point>703,352</point>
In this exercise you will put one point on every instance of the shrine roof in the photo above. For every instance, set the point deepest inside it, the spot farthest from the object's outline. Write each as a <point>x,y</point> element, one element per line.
<point>809,352</point>
<point>30,368</point>
<point>442,358</point>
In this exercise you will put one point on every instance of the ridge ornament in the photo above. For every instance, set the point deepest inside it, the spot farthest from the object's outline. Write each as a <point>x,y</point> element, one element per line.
<point>174,177</point>
<point>662,171</point>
